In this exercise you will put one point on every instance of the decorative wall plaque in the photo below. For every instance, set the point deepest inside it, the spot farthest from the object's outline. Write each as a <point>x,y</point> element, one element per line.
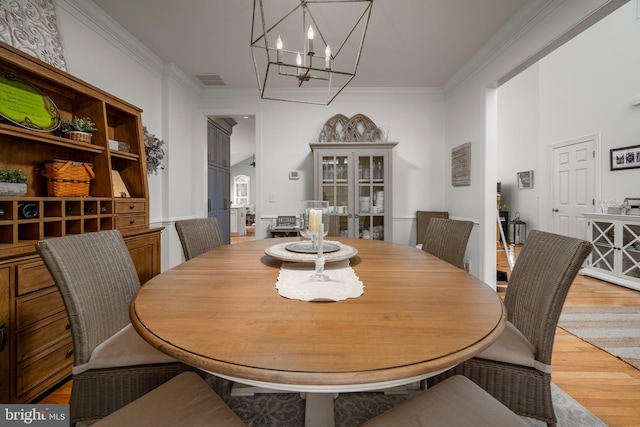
<point>32,26</point>
<point>461,165</point>
<point>23,104</point>
<point>358,128</point>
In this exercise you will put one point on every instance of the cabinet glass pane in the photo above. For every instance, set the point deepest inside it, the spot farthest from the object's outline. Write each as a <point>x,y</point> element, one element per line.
<point>378,200</point>
<point>631,250</point>
<point>335,169</point>
<point>602,255</point>
<point>339,226</point>
<point>630,235</point>
<point>371,204</point>
<point>378,169</point>
<point>364,168</point>
<point>335,183</point>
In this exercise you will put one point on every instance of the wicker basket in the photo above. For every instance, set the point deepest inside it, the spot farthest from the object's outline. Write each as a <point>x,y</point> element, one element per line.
<point>79,136</point>
<point>68,179</point>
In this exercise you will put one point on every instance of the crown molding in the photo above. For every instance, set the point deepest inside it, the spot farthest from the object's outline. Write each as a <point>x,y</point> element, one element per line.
<point>104,25</point>
<point>519,25</point>
<point>524,23</point>
<point>173,74</point>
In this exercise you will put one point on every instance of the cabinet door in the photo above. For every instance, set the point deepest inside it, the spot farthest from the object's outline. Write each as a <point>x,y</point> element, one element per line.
<point>4,334</point>
<point>630,250</point>
<point>372,203</point>
<point>335,170</point>
<point>145,253</point>
<point>603,238</point>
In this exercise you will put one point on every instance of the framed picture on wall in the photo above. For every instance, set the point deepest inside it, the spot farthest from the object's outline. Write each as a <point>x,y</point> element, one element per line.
<point>525,180</point>
<point>461,165</point>
<point>625,158</point>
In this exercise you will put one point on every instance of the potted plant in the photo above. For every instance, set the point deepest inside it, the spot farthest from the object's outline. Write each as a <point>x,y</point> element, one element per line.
<point>13,182</point>
<point>78,129</point>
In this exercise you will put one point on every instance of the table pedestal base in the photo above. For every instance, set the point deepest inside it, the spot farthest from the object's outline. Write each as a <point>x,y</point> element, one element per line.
<point>319,410</point>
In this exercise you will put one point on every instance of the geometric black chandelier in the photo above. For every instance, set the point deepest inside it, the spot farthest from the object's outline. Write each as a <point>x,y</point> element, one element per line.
<point>307,50</point>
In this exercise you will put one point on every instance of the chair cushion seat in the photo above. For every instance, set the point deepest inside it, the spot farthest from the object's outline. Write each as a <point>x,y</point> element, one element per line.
<point>513,347</point>
<point>124,348</point>
<point>455,402</point>
<point>185,400</point>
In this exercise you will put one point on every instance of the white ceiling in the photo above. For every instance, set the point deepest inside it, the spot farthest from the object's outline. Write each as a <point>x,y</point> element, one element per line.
<point>409,43</point>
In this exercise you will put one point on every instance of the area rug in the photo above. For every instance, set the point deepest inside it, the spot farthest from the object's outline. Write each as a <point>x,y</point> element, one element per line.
<point>615,330</point>
<point>353,409</point>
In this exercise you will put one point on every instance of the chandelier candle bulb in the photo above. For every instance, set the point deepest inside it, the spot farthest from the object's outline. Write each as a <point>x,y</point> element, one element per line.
<point>279,47</point>
<point>327,58</point>
<point>310,40</point>
<point>315,219</point>
<point>299,63</point>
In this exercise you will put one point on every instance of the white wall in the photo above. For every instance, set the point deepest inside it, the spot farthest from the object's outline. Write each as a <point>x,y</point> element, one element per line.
<point>470,100</point>
<point>586,88</point>
<point>518,145</point>
<point>583,88</point>
<point>415,118</point>
<point>121,65</point>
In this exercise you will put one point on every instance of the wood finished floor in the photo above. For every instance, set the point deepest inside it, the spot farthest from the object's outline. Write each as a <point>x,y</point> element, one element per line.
<point>604,384</point>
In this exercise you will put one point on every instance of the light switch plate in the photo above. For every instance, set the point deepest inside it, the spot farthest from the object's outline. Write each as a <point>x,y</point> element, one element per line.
<point>294,175</point>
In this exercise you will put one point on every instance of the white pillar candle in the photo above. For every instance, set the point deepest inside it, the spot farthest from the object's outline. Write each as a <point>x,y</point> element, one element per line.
<point>315,218</point>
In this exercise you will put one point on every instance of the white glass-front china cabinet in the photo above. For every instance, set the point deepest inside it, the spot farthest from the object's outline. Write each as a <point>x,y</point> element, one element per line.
<point>355,177</point>
<point>616,249</point>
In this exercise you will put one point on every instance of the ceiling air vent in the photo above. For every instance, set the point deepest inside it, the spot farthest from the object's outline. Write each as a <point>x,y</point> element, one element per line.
<point>211,79</point>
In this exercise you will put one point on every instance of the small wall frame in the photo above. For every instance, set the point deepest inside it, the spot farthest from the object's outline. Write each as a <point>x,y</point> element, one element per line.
<point>525,180</point>
<point>625,158</point>
<point>461,165</point>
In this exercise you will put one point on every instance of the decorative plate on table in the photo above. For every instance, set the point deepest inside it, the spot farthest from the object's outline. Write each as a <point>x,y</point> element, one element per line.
<point>306,247</point>
<point>280,251</point>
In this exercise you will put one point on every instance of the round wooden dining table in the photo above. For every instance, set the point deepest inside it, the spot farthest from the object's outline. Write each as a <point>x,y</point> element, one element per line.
<point>220,312</point>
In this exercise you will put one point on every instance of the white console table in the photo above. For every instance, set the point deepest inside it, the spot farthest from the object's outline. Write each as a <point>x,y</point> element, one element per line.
<point>616,249</point>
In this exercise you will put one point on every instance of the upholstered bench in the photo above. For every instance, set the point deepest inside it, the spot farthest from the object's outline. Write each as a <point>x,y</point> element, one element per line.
<point>455,402</point>
<point>185,400</point>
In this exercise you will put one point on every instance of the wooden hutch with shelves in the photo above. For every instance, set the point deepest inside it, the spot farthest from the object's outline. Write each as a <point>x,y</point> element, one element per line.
<point>36,351</point>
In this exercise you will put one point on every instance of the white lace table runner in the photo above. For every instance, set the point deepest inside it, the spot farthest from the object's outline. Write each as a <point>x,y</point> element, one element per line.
<point>294,282</point>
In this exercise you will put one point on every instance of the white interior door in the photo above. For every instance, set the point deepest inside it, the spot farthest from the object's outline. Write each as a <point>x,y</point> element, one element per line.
<point>573,186</point>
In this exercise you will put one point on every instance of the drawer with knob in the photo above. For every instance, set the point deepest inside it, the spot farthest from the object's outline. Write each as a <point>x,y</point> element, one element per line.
<point>32,276</point>
<point>130,206</point>
<point>42,372</point>
<point>33,341</point>
<point>130,222</point>
<point>38,306</point>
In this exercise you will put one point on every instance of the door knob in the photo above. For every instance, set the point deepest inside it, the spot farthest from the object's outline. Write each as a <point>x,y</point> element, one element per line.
<point>555,210</point>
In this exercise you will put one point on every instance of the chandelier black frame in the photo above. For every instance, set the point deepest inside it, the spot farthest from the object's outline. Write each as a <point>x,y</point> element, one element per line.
<point>305,65</point>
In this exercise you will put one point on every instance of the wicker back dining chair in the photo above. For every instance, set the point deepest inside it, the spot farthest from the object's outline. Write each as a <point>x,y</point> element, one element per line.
<point>516,369</point>
<point>422,222</point>
<point>198,236</point>
<point>112,364</point>
<point>447,239</point>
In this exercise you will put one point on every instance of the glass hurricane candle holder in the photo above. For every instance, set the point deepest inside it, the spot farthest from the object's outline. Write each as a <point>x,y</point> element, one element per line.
<point>312,214</point>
